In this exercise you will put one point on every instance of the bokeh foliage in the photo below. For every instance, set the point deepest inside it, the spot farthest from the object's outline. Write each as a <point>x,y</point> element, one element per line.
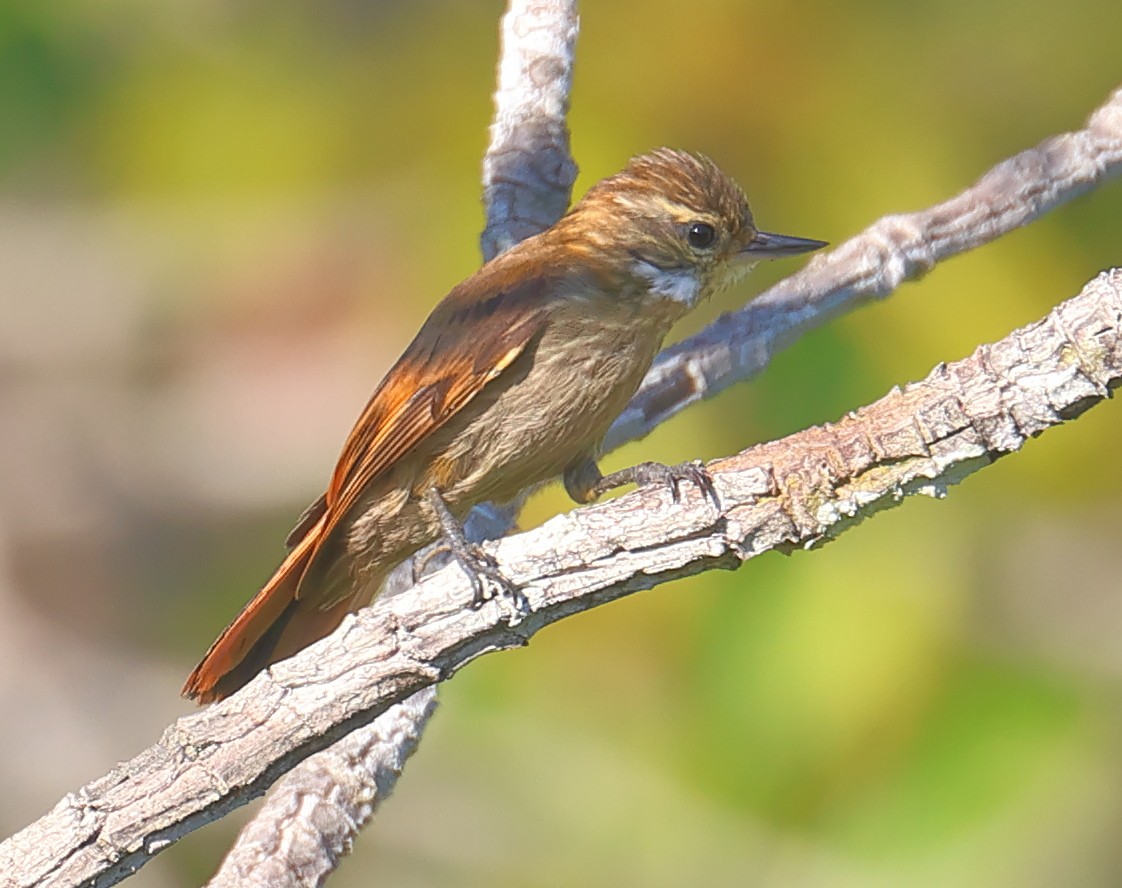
<point>930,700</point>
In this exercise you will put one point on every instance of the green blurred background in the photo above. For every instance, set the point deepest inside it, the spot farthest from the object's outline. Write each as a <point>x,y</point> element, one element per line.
<point>219,223</point>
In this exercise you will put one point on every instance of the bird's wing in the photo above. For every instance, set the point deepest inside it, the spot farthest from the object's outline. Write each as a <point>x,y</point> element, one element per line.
<point>465,344</point>
<point>468,341</point>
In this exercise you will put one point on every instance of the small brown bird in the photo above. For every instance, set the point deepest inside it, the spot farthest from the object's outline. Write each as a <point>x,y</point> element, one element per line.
<point>514,379</point>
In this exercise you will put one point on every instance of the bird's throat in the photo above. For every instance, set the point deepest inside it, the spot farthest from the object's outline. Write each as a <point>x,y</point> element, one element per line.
<point>681,285</point>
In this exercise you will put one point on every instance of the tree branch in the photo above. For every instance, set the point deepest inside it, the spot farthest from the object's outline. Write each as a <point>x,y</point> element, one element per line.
<point>529,150</point>
<point>794,493</point>
<point>527,178</point>
<point>313,814</point>
<point>528,172</point>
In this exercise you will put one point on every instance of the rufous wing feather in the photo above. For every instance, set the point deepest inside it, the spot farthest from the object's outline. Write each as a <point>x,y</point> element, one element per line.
<point>468,341</point>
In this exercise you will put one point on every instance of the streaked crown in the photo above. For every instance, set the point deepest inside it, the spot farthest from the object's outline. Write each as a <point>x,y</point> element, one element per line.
<point>674,224</point>
<point>671,207</point>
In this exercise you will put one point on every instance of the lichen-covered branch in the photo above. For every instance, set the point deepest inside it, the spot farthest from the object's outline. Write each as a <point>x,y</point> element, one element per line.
<point>793,493</point>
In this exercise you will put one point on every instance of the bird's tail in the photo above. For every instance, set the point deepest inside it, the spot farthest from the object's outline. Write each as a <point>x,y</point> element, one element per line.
<point>276,624</point>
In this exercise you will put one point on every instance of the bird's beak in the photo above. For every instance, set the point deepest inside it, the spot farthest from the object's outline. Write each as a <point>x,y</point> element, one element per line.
<point>777,246</point>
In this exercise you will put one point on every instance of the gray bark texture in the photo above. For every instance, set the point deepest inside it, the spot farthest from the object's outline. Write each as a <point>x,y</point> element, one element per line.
<point>797,492</point>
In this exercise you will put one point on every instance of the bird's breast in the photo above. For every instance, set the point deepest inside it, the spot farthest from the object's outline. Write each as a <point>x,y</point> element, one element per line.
<point>556,402</point>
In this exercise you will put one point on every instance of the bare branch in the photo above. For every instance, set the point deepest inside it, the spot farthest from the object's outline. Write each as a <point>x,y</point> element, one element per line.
<point>311,816</point>
<point>528,172</point>
<point>793,493</point>
<point>528,175</point>
<point>313,813</point>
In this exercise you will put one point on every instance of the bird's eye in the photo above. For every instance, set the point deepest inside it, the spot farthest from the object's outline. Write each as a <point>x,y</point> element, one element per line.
<point>701,235</point>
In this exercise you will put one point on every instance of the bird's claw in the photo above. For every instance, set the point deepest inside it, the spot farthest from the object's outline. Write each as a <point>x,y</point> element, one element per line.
<point>487,580</point>
<point>670,476</point>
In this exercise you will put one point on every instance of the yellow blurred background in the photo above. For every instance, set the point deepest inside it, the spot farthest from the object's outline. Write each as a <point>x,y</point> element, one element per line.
<point>220,222</point>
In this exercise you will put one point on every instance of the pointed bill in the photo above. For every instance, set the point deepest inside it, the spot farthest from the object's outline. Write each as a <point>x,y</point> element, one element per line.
<point>777,246</point>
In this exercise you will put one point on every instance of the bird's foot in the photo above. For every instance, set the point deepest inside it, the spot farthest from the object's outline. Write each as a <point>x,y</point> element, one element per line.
<point>671,476</point>
<point>487,580</point>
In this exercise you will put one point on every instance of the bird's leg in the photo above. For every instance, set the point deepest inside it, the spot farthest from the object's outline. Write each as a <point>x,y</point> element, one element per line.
<point>581,479</point>
<point>480,567</point>
<point>422,560</point>
<point>657,473</point>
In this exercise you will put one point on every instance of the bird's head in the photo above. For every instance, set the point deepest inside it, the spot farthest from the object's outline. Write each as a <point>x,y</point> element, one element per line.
<point>676,225</point>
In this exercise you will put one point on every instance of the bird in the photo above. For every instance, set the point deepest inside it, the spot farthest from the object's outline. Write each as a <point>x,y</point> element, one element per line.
<point>513,380</point>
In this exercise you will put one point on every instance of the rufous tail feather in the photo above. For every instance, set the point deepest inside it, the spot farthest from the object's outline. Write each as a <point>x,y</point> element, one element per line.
<point>274,625</point>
